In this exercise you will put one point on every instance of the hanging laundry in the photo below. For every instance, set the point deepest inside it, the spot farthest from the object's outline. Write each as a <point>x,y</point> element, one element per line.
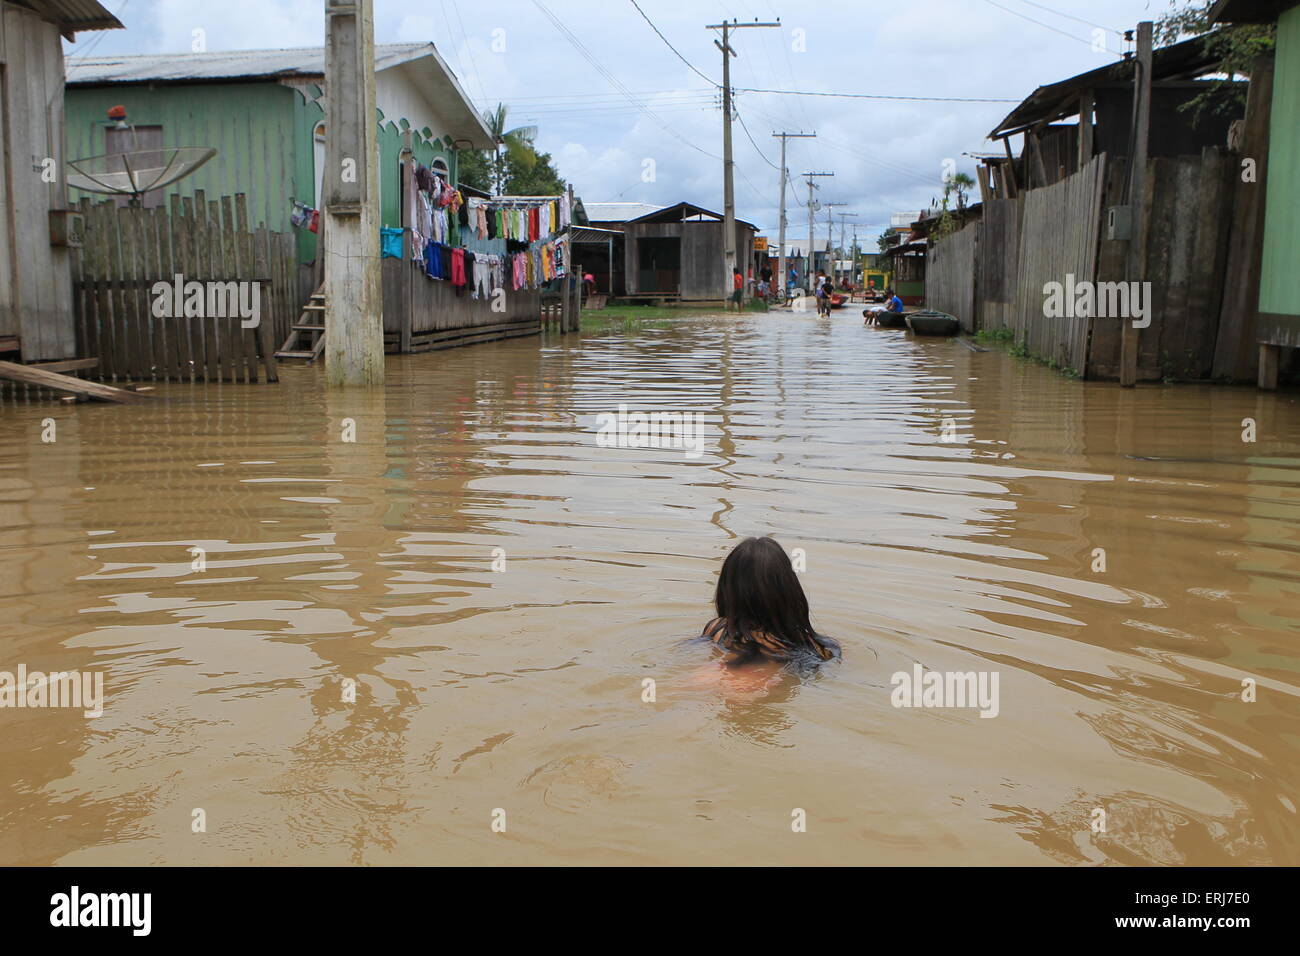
<point>301,215</point>
<point>390,243</point>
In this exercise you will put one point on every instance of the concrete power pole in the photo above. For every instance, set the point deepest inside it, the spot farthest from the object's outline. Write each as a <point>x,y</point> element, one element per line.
<point>728,164</point>
<point>830,237</point>
<point>785,176</point>
<point>844,218</point>
<point>354,331</point>
<point>808,264</point>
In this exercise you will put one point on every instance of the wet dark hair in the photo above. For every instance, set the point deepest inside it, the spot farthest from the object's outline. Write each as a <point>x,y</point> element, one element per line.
<point>762,610</point>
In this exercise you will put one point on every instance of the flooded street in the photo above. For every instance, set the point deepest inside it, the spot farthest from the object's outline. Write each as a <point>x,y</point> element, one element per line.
<point>499,587</point>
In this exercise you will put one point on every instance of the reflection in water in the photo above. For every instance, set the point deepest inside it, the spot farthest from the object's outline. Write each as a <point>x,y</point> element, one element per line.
<point>497,587</point>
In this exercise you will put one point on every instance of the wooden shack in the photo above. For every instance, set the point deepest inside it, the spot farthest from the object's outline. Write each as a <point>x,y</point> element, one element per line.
<point>37,231</point>
<point>676,254</point>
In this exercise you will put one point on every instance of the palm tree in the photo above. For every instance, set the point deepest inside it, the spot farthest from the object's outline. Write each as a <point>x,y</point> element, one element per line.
<point>518,143</point>
<point>959,183</point>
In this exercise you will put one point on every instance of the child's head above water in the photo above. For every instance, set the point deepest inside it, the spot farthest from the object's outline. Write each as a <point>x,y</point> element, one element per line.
<point>762,610</point>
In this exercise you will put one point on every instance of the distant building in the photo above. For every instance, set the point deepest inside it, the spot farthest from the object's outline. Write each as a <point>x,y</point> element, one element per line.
<point>36,319</point>
<point>676,253</point>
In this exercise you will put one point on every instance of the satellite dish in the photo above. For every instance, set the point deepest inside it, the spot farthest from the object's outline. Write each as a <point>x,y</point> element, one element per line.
<point>137,171</point>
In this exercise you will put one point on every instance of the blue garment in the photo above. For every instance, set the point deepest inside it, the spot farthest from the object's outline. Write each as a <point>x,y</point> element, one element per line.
<point>895,305</point>
<point>433,260</point>
<point>390,243</point>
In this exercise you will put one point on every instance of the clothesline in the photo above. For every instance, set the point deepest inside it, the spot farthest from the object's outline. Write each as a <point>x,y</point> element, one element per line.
<point>440,219</point>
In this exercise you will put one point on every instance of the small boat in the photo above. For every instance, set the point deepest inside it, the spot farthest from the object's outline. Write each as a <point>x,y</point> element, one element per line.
<point>929,322</point>
<point>886,320</point>
<point>838,300</point>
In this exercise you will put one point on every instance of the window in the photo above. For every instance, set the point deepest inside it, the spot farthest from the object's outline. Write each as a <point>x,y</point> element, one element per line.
<point>145,142</point>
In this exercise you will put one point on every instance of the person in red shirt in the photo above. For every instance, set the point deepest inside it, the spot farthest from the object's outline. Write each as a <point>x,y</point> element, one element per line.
<point>738,288</point>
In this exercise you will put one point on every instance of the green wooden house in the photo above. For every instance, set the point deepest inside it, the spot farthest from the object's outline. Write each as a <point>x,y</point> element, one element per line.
<point>263,111</point>
<point>1278,323</point>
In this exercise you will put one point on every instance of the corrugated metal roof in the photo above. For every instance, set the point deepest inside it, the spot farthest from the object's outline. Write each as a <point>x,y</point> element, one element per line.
<point>73,15</point>
<point>1047,104</point>
<point>592,234</point>
<point>687,211</point>
<point>619,211</point>
<point>227,65</point>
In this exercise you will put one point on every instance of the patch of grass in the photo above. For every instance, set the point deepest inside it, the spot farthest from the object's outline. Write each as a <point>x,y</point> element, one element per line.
<point>1005,339</point>
<point>634,318</point>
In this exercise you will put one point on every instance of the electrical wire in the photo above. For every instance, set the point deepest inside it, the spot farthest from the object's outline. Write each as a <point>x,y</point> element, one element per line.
<point>1069,16</point>
<point>613,80</point>
<point>888,96</point>
<point>1045,26</point>
<point>666,43</point>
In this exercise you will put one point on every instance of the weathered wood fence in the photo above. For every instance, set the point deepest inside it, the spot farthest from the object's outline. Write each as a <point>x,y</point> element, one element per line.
<point>950,275</point>
<point>129,250</point>
<point>998,262</point>
<point>1058,238</point>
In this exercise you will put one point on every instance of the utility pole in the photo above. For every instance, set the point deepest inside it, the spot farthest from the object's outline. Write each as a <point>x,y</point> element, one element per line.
<point>785,176</point>
<point>728,164</point>
<point>1137,257</point>
<point>808,264</point>
<point>844,217</point>
<point>354,331</point>
<point>830,237</point>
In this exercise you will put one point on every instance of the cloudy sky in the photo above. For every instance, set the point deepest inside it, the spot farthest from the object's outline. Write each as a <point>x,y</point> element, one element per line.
<point>613,102</point>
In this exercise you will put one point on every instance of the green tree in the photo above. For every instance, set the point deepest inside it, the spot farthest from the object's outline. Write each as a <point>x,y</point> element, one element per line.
<point>959,184</point>
<point>1235,47</point>
<point>515,167</point>
<point>474,168</point>
<point>533,175</point>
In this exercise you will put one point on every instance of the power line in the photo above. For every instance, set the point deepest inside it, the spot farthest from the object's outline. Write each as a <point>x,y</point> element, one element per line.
<point>751,140</point>
<point>612,79</point>
<point>666,43</point>
<point>1045,26</point>
<point>1069,16</point>
<point>884,96</point>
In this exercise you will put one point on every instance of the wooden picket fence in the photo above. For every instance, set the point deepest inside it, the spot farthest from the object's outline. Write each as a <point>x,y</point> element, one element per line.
<point>127,250</point>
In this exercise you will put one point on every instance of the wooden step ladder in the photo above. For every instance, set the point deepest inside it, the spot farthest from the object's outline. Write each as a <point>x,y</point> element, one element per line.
<point>311,324</point>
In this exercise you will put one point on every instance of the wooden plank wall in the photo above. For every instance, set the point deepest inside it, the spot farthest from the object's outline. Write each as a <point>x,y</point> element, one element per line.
<point>419,311</point>
<point>1186,254</point>
<point>1236,355</point>
<point>35,293</point>
<point>1190,198</point>
<point>127,250</point>
<point>998,261</point>
<point>1059,232</point>
<point>950,275</point>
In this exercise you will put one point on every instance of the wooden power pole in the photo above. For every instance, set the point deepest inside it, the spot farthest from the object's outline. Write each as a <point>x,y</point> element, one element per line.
<point>785,177</point>
<point>1137,253</point>
<point>354,330</point>
<point>728,164</point>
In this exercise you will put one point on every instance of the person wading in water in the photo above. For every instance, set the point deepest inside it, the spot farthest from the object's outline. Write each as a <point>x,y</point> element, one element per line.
<point>762,625</point>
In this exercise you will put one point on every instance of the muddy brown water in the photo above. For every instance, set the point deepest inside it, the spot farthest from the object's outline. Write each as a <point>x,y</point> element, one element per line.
<point>521,690</point>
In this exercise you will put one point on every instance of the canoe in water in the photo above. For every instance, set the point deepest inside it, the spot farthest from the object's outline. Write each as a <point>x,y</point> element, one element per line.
<point>929,322</point>
<point>886,320</point>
